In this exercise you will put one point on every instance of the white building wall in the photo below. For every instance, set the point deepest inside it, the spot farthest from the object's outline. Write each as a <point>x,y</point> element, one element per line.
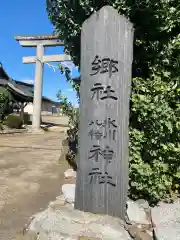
<point>47,108</point>
<point>29,108</point>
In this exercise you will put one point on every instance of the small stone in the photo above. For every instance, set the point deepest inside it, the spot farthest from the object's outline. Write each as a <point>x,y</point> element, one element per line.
<point>132,229</point>
<point>88,238</point>
<point>144,227</point>
<point>150,233</point>
<point>138,233</point>
<point>60,201</point>
<point>139,226</point>
<point>68,191</point>
<point>143,203</point>
<point>143,236</point>
<point>136,213</point>
<point>70,173</point>
<point>61,197</point>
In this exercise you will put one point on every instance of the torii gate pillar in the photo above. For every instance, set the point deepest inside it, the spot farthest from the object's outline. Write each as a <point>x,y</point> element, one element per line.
<point>40,42</point>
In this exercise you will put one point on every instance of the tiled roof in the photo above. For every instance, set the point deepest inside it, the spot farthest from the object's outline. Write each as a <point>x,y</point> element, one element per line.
<point>29,85</point>
<point>3,73</point>
<point>23,89</point>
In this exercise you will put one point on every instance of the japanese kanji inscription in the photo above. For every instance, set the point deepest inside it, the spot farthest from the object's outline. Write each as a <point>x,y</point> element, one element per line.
<point>106,59</point>
<point>104,65</point>
<point>103,129</point>
<point>97,177</point>
<point>101,93</point>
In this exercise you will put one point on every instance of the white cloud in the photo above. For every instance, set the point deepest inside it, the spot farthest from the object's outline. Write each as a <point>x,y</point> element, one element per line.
<point>69,90</point>
<point>68,64</point>
<point>29,81</point>
<point>76,105</point>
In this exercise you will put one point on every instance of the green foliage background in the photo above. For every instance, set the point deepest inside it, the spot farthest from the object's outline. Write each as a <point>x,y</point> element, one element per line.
<point>5,97</point>
<point>155,100</point>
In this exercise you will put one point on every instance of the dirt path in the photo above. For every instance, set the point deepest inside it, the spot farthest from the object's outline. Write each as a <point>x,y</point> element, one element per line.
<point>31,176</point>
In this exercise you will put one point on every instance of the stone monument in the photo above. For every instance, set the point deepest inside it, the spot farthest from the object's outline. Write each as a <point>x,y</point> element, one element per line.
<point>106,62</point>
<point>40,42</point>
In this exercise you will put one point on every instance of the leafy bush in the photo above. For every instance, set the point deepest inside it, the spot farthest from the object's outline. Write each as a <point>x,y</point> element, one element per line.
<point>26,118</point>
<point>13,121</point>
<point>72,134</point>
<point>154,138</point>
<point>5,108</point>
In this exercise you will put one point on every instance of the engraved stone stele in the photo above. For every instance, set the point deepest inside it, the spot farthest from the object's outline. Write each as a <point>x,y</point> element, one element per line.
<point>106,66</point>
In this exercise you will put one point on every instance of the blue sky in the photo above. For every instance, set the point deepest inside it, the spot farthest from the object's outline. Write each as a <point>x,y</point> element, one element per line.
<point>29,18</point>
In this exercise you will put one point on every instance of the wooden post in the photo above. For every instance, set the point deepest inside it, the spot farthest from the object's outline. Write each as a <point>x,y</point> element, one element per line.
<point>106,62</point>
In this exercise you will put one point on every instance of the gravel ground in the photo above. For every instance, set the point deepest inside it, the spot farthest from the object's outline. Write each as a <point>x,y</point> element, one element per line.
<point>31,176</point>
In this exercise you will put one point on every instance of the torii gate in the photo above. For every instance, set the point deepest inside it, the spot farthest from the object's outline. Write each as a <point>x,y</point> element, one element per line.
<point>40,42</point>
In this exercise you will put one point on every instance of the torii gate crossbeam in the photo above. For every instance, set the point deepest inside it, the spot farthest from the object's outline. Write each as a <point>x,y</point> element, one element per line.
<point>40,42</point>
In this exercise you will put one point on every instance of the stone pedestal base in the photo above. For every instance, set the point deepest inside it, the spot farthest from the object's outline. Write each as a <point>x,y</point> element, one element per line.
<point>36,131</point>
<point>61,221</point>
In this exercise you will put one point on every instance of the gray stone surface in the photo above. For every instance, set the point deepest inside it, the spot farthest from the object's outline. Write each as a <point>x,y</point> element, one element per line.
<point>143,203</point>
<point>68,191</point>
<point>136,213</point>
<point>106,59</point>
<point>67,224</point>
<point>166,218</point>
<point>139,232</point>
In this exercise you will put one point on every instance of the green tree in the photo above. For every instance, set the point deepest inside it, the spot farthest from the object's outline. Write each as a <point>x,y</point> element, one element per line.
<point>156,23</point>
<point>155,106</point>
<point>4,103</point>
